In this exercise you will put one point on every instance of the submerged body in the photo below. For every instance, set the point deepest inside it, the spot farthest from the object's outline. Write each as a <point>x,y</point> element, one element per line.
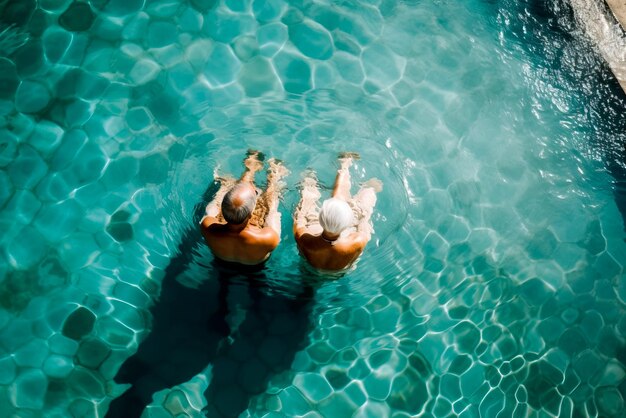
<point>333,239</point>
<point>332,256</point>
<point>239,227</point>
<point>243,244</point>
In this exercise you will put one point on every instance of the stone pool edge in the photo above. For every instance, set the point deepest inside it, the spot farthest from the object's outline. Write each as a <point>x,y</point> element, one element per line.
<point>618,9</point>
<point>604,21</point>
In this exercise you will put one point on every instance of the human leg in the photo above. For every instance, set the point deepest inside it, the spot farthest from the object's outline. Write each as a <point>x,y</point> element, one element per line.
<point>266,211</point>
<point>252,163</point>
<point>341,189</point>
<point>363,204</point>
<point>307,211</point>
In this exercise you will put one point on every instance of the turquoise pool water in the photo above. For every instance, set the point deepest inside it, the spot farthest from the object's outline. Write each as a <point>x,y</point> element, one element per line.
<point>493,286</point>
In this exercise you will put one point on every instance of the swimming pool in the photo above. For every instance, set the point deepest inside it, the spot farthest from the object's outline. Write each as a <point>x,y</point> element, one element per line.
<point>493,285</point>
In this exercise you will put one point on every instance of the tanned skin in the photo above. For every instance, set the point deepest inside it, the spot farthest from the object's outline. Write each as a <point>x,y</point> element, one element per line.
<point>325,251</point>
<point>245,243</point>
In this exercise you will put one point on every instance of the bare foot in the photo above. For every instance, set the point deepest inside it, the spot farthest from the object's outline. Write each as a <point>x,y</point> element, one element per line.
<point>277,169</point>
<point>349,154</point>
<point>375,184</point>
<point>346,158</point>
<point>309,175</point>
<point>310,190</point>
<point>255,153</point>
<point>253,161</point>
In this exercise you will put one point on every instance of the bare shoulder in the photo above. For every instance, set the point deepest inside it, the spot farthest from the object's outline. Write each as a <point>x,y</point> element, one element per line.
<point>300,232</point>
<point>212,228</point>
<point>208,221</point>
<point>354,242</point>
<point>265,236</point>
<point>306,239</point>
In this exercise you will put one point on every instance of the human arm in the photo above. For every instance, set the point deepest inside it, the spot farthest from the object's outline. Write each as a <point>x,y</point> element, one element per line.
<point>341,189</point>
<point>212,211</point>
<point>364,227</point>
<point>299,221</point>
<point>273,217</point>
<point>271,238</point>
<point>306,212</point>
<point>274,189</point>
<point>365,201</point>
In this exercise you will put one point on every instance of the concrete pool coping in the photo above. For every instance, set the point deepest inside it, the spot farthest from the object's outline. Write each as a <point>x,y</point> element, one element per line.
<point>607,28</point>
<point>618,8</point>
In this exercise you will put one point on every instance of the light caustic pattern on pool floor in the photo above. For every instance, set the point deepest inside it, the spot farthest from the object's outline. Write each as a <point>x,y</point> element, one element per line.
<point>494,283</point>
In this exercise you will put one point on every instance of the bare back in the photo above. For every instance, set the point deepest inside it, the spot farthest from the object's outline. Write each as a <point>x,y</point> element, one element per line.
<point>250,245</point>
<point>251,241</point>
<point>331,256</point>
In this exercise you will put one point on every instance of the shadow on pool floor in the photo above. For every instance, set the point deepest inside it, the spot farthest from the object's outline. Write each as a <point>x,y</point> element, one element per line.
<point>190,331</point>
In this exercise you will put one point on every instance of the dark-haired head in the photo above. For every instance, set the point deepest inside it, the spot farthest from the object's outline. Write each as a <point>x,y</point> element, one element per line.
<point>239,203</point>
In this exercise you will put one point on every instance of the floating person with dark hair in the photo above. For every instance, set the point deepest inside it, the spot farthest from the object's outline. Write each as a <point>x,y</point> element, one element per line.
<point>332,238</point>
<point>240,226</point>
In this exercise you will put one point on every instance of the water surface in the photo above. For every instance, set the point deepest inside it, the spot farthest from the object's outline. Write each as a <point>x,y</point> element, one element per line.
<point>493,285</point>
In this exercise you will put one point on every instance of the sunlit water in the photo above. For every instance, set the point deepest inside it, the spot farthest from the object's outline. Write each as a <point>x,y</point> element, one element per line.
<point>493,285</point>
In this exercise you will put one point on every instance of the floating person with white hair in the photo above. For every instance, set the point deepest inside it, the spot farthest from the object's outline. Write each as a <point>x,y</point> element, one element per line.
<point>332,238</point>
<point>239,225</point>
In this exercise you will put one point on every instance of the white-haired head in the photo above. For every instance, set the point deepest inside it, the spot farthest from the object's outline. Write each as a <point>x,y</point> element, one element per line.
<point>335,216</point>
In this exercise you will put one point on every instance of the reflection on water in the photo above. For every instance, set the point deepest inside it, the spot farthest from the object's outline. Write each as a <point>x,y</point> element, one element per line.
<point>494,282</point>
<point>589,98</point>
